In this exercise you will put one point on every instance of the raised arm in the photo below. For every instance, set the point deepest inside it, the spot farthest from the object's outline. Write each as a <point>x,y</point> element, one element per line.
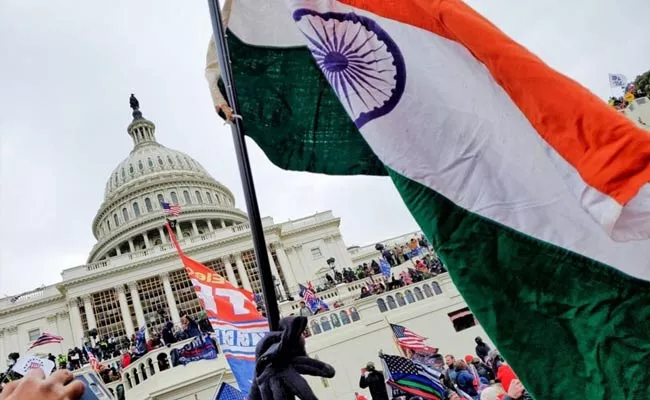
<point>213,72</point>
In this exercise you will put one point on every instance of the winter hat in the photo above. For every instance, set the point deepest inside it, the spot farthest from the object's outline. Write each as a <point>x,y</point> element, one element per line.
<point>469,359</point>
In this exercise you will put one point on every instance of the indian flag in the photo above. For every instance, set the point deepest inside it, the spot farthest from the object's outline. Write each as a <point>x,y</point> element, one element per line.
<point>533,191</point>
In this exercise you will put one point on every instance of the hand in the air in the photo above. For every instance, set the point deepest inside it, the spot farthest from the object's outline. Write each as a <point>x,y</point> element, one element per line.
<point>226,110</point>
<point>34,386</point>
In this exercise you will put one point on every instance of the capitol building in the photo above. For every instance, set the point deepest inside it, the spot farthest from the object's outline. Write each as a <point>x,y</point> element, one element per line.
<point>133,276</point>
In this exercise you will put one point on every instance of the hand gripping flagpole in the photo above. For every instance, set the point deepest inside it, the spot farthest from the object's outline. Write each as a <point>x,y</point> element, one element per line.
<point>259,244</point>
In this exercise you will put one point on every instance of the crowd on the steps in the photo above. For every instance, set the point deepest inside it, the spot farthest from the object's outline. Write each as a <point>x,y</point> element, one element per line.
<point>481,376</point>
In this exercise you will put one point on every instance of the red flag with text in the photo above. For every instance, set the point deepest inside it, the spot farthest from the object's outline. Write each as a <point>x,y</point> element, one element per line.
<point>232,313</point>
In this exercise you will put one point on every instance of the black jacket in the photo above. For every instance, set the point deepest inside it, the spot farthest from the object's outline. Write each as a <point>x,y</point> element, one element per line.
<point>376,383</point>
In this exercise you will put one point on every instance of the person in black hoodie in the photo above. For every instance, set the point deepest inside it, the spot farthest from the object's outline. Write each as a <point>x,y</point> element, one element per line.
<point>373,380</point>
<point>482,349</point>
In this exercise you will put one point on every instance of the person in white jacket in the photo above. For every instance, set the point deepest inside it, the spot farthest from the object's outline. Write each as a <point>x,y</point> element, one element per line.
<point>213,72</point>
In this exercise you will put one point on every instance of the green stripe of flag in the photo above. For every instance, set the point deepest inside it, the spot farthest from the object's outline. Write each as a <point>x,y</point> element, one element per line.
<point>546,308</point>
<point>292,113</point>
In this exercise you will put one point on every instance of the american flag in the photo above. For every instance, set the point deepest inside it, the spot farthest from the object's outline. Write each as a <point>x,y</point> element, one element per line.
<point>413,378</point>
<point>171,209</point>
<point>312,301</point>
<point>408,339</point>
<point>45,338</point>
<point>94,362</point>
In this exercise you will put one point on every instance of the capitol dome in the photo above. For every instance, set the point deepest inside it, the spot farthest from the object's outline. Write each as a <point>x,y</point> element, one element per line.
<point>130,217</point>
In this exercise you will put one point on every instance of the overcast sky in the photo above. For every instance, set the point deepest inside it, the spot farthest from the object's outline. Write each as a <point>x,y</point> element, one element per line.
<point>68,67</point>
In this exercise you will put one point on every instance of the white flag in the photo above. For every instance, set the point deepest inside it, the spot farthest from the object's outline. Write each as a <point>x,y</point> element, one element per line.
<point>27,363</point>
<point>617,80</point>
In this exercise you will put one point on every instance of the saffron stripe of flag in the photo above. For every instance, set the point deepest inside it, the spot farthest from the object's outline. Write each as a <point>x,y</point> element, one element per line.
<point>533,192</point>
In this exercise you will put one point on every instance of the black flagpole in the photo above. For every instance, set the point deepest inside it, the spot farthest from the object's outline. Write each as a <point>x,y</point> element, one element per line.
<point>259,244</point>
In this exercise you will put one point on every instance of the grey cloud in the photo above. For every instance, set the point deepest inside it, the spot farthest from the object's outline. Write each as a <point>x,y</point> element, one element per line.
<point>67,70</point>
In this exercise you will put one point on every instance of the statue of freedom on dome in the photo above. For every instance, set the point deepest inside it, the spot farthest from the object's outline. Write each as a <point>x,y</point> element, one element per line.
<point>133,101</point>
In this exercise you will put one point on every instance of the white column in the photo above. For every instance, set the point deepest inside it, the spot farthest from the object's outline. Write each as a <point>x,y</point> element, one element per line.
<point>223,224</point>
<point>179,233</point>
<point>210,227</point>
<point>124,308</point>
<point>171,302</point>
<point>229,271</point>
<point>64,328</point>
<point>306,266</point>
<point>137,306</point>
<point>146,240</point>
<point>195,228</point>
<point>90,313</point>
<point>131,246</point>
<point>75,321</point>
<point>242,272</point>
<point>285,266</point>
<point>3,346</point>
<point>53,328</point>
<point>118,251</point>
<point>13,344</point>
<point>163,238</point>
<point>346,259</point>
<point>274,271</point>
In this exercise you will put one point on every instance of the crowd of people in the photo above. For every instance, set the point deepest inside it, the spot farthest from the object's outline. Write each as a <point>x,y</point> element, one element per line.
<point>630,94</point>
<point>481,376</point>
<point>116,353</point>
<point>394,255</point>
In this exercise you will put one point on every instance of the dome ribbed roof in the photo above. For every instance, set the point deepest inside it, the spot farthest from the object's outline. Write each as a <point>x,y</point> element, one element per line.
<point>147,160</point>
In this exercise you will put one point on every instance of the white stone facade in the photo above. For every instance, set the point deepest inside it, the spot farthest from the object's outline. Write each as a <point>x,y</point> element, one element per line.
<point>133,270</point>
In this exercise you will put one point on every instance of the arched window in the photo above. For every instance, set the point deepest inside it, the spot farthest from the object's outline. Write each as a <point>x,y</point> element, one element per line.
<point>325,323</point>
<point>217,198</point>
<point>160,161</point>
<point>427,290</point>
<point>174,197</point>
<point>123,175</point>
<point>336,322</point>
<point>125,214</point>
<point>147,204</point>
<point>136,209</point>
<point>345,318</point>
<point>400,299</point>
<point>117,221</point>
<point>409,296</point>
<point>131,169</point>
<point>354,314</point>
<point>436,288</point>
<point>186,195</point>
<point>108,224</point>
<point>140,166</point>
<point>209,197</point>
<point>382,305</point>
<point>418,293</point>
<point>391,302</point>
<point>199,199</point>
<point>315,327</point>
<point>150,162</point>
<point>170,161</point>
<point>160,198</point>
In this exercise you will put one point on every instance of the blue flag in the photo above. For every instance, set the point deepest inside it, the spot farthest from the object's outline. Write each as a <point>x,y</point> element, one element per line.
<point>384,266</point>
<point>313,302</point>
<point>229,392</point>
<point>140,342</point>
